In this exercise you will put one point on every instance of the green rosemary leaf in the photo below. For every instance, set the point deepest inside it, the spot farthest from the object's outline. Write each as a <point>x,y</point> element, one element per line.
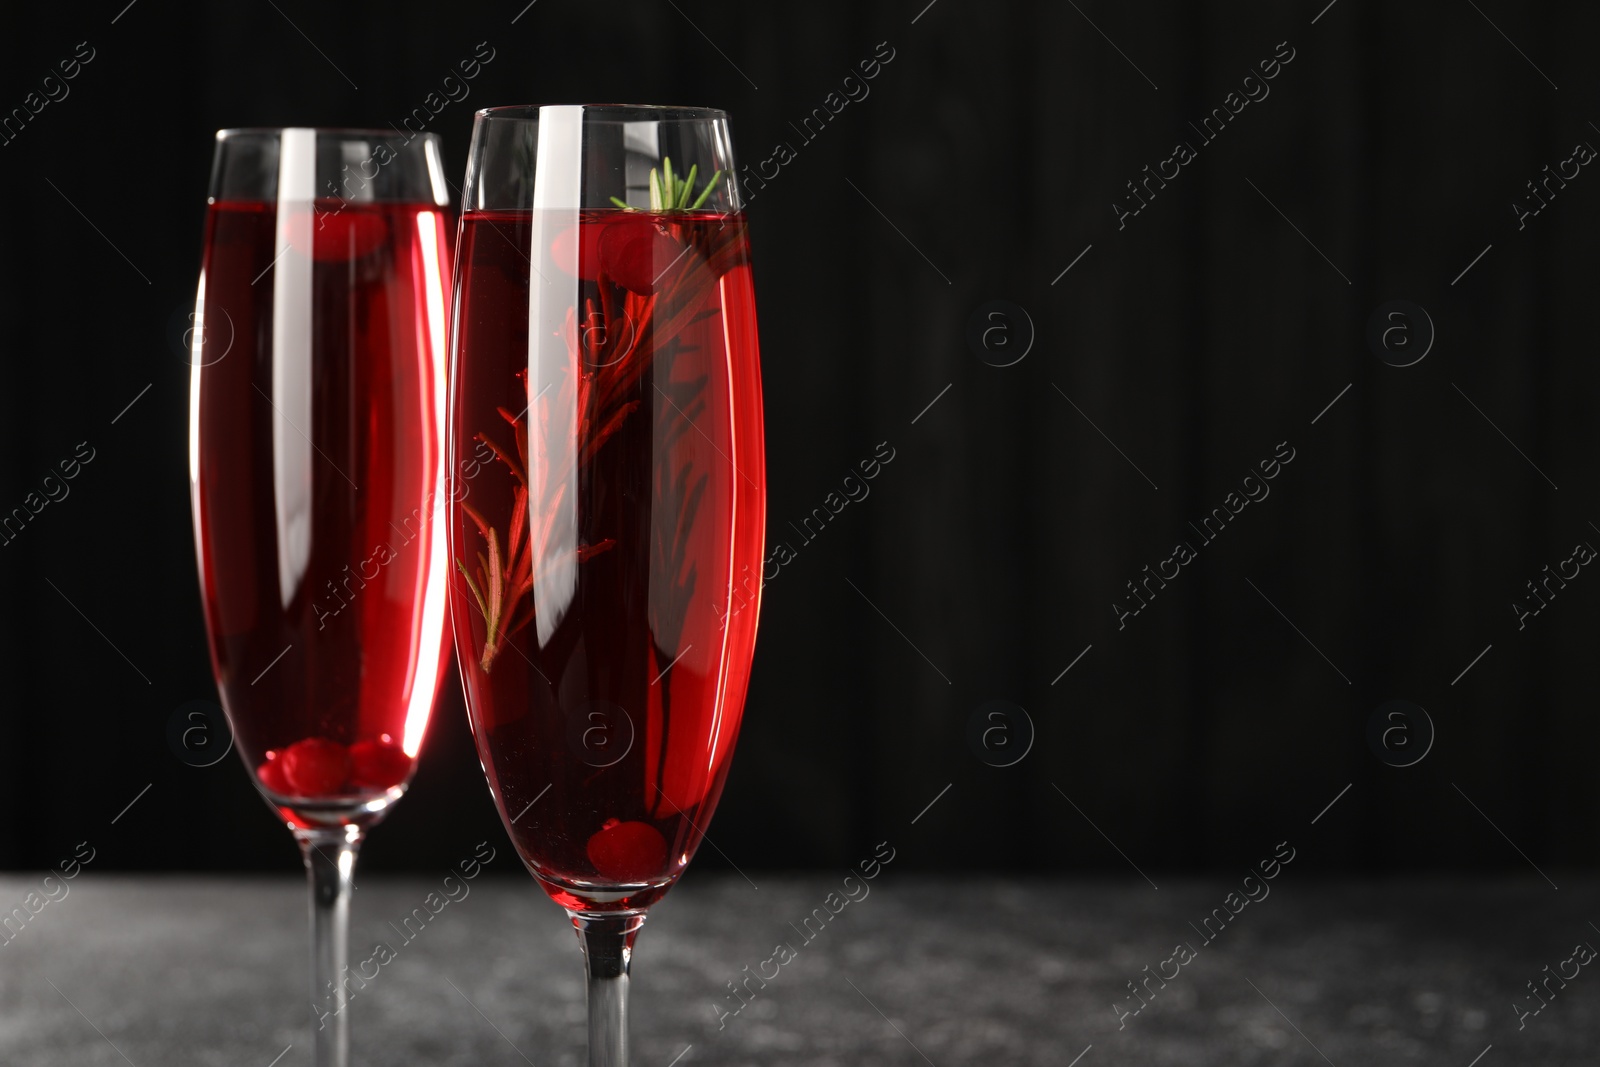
<point>674,192</point>
<point>710,185</point>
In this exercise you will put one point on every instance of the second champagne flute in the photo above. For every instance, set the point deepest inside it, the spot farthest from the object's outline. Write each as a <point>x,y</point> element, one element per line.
<point>608,561</point>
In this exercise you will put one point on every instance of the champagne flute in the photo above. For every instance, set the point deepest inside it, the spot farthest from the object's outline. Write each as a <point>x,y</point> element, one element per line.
<point>607,565</point>
<point>317,462</point>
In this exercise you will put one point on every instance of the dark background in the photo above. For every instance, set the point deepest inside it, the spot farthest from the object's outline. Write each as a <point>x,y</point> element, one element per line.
<point>991,549</point>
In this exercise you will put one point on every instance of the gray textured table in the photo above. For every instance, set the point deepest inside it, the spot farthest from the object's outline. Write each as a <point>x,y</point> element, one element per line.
<point>179,970</point>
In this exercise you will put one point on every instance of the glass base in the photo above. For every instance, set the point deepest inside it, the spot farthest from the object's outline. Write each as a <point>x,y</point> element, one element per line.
<point>333,813</point>
<point>602,899</point>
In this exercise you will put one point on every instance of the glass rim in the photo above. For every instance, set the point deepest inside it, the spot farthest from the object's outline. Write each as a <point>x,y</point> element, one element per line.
<point>665,112</point>
<point>228,133</point>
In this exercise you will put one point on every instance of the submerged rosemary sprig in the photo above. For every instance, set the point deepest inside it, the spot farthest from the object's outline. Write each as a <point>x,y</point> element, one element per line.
<point>601,390</point>
<point>669,192</point>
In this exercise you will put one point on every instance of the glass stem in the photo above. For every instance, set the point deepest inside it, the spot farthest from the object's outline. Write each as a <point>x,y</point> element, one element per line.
<point>330,857</point>
<point>607,941</point>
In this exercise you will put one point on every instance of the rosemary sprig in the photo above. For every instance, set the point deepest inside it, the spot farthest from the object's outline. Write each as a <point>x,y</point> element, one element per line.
<point>601,388</point>
<point>669,192</point>
<point>504,578</point>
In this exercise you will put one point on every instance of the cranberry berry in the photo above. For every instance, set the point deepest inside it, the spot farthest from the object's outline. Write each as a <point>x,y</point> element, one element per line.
<point>628,851</point>
<point>315,767</point>
<point>271,774</point>
<point>378,765</point>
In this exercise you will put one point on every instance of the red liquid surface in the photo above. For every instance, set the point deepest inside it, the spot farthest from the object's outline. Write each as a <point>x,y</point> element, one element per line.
<point>317,464</point>
<point>626,509</point>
